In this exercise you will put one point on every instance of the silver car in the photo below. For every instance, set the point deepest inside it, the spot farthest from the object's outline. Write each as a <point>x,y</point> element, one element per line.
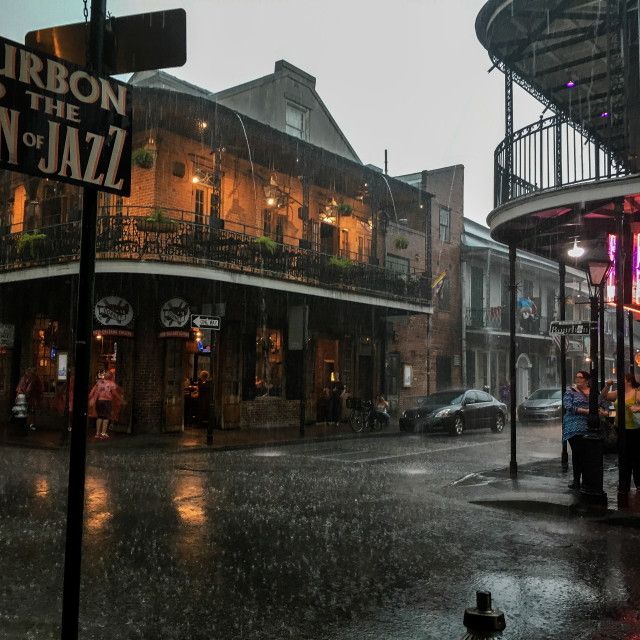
<point>543,405</point>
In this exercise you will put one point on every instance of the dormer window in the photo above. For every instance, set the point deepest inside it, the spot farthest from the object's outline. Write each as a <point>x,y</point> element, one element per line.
<point>297,121</point>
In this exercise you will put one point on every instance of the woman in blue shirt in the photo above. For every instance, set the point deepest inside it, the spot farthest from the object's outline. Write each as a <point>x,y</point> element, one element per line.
<point>574,423</point>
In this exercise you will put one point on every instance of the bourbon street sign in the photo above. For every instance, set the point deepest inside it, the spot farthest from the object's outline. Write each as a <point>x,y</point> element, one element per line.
<point>566,327</point>
<point>58,121</point>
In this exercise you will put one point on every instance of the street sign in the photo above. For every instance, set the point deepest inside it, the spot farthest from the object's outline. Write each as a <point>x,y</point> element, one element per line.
<point>145,41</point>
<point>59,122</point>
<point>565,327</point>
<point>199,321</point>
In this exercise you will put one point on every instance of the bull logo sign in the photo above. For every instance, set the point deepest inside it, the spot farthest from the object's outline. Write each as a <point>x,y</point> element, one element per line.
<point>175,313</point>
<point>113,311</point>
<point>58,121</point>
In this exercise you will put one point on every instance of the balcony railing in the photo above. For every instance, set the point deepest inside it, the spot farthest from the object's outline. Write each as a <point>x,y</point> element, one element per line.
<point>497,318</point>
<point>546,155</point>
<point>134,238</point>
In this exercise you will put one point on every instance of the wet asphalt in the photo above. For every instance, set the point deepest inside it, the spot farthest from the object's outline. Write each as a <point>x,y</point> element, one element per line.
<point>377,538</point>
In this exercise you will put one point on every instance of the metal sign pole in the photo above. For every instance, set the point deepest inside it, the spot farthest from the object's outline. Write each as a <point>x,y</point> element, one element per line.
<point>82,358</point>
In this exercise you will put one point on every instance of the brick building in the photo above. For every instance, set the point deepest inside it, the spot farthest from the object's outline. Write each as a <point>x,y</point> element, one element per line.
<point>282,239</point>
<point>432,344</point>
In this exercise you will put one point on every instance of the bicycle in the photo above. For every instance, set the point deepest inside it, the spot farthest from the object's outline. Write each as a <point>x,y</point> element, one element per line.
<point>363,415</point>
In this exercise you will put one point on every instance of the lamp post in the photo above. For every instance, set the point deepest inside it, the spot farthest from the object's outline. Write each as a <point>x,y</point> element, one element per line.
<point>592,491</point>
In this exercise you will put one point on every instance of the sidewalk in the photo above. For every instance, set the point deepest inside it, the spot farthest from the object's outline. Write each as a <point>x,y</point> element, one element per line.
<point>195,439</point>
<point>541,488</point>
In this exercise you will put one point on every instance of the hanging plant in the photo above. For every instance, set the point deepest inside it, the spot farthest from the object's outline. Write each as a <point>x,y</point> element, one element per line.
<point>345,209</point>
<point>266,244</point>
<point>142,158</point>
<point>29,241</point>
<point>400,242</point>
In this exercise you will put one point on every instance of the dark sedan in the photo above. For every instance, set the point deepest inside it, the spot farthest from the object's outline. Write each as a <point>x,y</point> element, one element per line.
<point>455,411</point>
<point>543,405</point>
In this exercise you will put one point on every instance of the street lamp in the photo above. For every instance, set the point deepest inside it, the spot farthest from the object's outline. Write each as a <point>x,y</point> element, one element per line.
<point>597,267</point>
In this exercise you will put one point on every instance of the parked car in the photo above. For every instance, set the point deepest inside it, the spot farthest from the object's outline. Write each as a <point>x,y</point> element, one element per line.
<point>543,405</point>
<point>455,411</point>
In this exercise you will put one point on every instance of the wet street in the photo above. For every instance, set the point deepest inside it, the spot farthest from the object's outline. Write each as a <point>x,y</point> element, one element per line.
<point>371,538</point>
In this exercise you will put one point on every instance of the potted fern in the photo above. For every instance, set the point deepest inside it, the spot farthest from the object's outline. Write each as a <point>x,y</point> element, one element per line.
<point>157,221</point>
<point>29,242</point>
<point>340,263</point>
<point>266,244</point>
<point>345,209</point>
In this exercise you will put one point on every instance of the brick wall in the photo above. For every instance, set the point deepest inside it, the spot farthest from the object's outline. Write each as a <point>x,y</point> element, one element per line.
<point>269,412</point>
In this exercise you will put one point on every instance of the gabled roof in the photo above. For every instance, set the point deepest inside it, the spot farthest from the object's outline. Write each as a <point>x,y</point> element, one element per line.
<point>283,69</point>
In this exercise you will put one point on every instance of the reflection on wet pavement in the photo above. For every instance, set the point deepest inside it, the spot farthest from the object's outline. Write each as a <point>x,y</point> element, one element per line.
<point>310,543</point>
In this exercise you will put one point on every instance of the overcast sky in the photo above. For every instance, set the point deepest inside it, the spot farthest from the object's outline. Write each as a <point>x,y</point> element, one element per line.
<point>409,76</point>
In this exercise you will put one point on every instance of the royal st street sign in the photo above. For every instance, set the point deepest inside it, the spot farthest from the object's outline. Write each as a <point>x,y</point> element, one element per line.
<point>566,327</point>
<point>60,122</point>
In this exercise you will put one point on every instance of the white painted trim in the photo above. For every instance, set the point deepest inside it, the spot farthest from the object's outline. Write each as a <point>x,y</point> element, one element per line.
<point>219,275</point>
<point>563,197</point>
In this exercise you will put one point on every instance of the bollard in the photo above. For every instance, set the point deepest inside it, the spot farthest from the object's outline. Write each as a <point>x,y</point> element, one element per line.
<point>482,621</point>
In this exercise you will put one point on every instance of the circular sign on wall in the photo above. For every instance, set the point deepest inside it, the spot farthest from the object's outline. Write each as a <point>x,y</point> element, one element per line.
<point>113,311</point>
<point>637,358</point>
<point>175,313</point>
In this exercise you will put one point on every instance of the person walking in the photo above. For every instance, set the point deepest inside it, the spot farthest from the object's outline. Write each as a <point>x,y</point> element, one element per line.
<point>631,459</point>
<point>575,423</point>
<point>31,386</point>
<point>105,399</point>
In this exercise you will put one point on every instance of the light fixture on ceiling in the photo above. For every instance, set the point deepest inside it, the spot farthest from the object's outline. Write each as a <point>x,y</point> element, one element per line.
<point>576,251</point>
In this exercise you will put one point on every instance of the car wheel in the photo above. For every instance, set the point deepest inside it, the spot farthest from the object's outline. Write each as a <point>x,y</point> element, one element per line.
<point>458,426</point>
<point>498,426</point>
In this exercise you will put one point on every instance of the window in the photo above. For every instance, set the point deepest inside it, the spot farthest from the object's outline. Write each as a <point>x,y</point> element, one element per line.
<point>296,121</point>
<point>269,356</point>
<point>199,208</point>
<point>361,256</point>
<point>445,224</point>
<point>398,265</point>
<point>345,243</point>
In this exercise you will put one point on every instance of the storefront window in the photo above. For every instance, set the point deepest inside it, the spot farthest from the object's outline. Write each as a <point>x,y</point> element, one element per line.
<point>269,361</point>
<point>45,333</point>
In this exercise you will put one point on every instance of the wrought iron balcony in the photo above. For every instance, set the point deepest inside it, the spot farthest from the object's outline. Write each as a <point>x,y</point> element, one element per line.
<point>546,155</point>
<point>497,318</point>
<point>136,238</point>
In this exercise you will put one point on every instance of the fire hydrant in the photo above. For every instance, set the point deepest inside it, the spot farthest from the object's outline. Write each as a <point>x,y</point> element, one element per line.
<point>482,621</point>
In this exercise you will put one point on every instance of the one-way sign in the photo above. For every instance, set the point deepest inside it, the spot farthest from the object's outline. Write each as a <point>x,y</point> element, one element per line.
<point>198,321</point>
<point>565,327</point>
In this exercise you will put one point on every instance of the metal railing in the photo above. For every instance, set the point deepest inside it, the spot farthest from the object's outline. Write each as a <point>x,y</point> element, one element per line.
<point>497,318</point>
<point>136,238</point>
<point>546,155</point>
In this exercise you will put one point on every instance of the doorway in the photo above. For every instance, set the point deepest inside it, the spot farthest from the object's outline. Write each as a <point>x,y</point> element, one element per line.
<point>115,353</point>
<point>328,239</point>
<point>523,377</point>
<point>175,373</point>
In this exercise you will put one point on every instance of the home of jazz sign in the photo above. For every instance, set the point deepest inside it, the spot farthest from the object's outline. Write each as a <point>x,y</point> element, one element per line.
<point>60,122</point>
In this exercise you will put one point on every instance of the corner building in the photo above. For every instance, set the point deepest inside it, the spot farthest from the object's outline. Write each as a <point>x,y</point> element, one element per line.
<point>228,217</point>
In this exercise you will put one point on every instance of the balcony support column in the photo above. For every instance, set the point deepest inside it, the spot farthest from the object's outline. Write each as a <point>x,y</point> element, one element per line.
<point>513,465</point>
<point>564,460</point>
<point>620,415</point>
<point>558,151</point>
<point>508,134</point>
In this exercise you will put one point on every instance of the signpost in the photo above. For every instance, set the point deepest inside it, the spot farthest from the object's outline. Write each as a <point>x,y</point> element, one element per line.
<point>564,328</point>
<point>199,321</point>
<point>59,122</point>
<point>64,122</point>
<point>141,42</point>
